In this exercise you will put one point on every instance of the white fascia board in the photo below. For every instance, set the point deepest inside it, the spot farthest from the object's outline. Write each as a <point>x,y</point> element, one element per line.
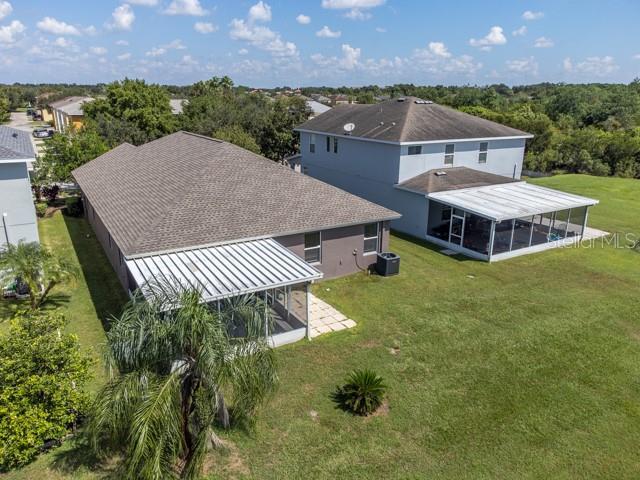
<point>17,160</point>
<point>420,142</point>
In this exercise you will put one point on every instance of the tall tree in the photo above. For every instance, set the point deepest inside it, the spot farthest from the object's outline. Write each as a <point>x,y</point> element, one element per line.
<point>132,111</point>
<point>238,136</point>
<point>173,366</point>
<point>35,266</point>
<point>4,107</point>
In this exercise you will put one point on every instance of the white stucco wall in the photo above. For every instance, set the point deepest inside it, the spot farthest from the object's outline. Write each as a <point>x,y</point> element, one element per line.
<point>16,201</point>
<point>504,157</point>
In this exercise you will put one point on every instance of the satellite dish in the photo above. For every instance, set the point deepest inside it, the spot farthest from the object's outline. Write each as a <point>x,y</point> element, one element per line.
<point>348,128</point>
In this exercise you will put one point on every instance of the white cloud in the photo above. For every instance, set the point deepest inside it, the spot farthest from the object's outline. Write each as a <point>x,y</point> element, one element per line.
<point>188,60</point>
<point>62,42</point>
<point>303,19</point>
<point>186,7</point>
<point>636,56</point>
<point>439,49</point>
<point>381,30</point>
<point>5,9</point>
<point>98,51</point>
<point>529,15</point>
<point>356,7</point>
<point>56,27</point>
<point>260,12</point>
<point>204,27</point>
<point>144,3</point>
<point>520,32</point>
<point>122,18</point>
<point>596,66</point>
<point>523,66</point>
<point>494,37</point>
<point>543,42</point>
<point>243,51</point>
<point>326,32</point>
<point>90,30</point>
<point>260,36</point>
<point>156,52</point>
<point>162,49</point>
<point>122,43</point>
<point>9,32</point>
<point>124,56</point>
<point>350,56</point>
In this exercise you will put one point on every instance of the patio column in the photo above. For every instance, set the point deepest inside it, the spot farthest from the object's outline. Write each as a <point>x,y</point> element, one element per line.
<point>308,308</point>
<point>491,238</point>
<point>584,224</point>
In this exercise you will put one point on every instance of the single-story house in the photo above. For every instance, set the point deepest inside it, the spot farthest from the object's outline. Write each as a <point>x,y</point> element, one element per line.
<point>454,177</point>
<point>17,212</point>
<point>205,213</point>
<point>68,112</point>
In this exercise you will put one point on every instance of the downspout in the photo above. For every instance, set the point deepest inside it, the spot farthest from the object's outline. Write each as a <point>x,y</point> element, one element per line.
<point>5,228</point>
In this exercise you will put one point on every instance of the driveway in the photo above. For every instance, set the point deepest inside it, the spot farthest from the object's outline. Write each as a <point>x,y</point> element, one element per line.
<point>20,121</point>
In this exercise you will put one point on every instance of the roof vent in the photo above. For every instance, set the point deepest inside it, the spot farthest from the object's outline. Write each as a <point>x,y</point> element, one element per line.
<point>381,123</point>
<point>14,134</point>
<point>401,99</point>
<point>393,123</point>
<point>440,173</point>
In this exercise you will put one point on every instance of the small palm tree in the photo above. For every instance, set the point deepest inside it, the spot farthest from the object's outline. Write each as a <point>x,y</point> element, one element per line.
<point>362,394</point>
<point>38,268</point>
<point>172,366</point>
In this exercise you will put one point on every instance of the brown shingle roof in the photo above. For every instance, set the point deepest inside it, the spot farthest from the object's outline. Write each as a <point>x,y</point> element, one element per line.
<point>185,190</point>
<point>452,178</point>
<point>410,120</point>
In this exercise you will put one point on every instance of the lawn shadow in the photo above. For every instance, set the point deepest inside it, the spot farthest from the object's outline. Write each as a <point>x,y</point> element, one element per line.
<point>433,247</point>
<point>77,456</point>
<point>107,295</point>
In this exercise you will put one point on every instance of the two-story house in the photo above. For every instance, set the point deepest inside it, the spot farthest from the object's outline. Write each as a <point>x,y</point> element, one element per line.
<point>17,212</point>
<point>454,177</point>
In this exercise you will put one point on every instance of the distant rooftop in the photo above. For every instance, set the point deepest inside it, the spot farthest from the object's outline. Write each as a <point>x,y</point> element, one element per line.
<point>15,144</point>
<point>452,178</point>
<point>71,105</point>
<point>177,105</point>
<point>408,119</point>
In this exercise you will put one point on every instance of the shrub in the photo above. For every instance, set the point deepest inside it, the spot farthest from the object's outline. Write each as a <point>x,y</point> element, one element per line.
<point>74,206</point>
<point>362,394</point>
<point>43,373</point>
<point>50,192</point>
<point>41,209</point>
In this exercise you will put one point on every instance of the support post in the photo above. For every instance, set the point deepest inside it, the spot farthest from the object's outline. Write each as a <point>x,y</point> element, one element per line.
<point>491,238</point>
<point>308,308</point>
<point>584,224</point>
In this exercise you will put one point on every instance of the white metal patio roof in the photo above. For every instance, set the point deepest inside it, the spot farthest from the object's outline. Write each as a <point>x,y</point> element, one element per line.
<point>226,270</point>
<point>512,200</point>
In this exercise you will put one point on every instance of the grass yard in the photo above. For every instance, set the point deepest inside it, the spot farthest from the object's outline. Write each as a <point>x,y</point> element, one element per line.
<point>526,368</point>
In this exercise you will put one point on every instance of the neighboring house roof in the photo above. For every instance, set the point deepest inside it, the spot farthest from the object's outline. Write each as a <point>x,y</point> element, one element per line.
<point>71,105</point>
<point>177,105</point>
<point>317,108</point>
<point>407,120</point>
<point>15,144</point>
<point>185,190</point>
<point>452,178</point>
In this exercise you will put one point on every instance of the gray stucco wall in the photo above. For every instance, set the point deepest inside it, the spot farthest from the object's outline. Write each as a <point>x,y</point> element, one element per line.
<point>109,246</point>
<point>17,202</point>
<point>338,245</point>
<point>504,158</point>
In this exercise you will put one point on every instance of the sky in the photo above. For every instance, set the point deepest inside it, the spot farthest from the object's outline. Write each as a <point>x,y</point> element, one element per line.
<point>267,43</point>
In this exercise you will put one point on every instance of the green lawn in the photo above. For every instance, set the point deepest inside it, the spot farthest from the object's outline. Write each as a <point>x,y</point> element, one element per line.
<point>527,368</point>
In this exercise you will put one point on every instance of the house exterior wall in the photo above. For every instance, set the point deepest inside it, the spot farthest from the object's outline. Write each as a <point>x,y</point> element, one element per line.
<point>20,223</point>
<point>372,169</point>
<point>504,158</point>
<point>111,249</point>
<point>338,245</point>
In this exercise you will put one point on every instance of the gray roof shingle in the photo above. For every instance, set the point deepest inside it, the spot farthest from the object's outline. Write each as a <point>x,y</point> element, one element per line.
<point>452,178</point>
<point>409,120</point>
<point>71,105</point>
<point>186,190</point>
<point>15,144</point>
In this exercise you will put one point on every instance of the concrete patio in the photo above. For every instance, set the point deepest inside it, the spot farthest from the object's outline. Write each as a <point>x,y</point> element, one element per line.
<point>325,318</point>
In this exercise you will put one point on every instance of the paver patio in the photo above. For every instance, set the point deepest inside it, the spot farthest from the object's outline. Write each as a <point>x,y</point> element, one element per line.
<point>324,318</point>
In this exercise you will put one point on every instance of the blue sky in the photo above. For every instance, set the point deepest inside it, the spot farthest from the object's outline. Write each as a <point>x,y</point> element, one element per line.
<point>320,42</point>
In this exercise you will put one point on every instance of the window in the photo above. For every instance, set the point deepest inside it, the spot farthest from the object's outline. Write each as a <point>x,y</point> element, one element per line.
<point>313,247</point>
<point>449,150</point>
<point>484,148</point>
<point>335,145</point>
<point>446,213</point>
<point>370,238</point>
<point>415,150</point>
<point>328,143</point>
<point>312,143</point>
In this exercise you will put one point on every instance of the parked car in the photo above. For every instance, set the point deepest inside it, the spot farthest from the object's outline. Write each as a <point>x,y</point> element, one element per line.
<point>43,132</point>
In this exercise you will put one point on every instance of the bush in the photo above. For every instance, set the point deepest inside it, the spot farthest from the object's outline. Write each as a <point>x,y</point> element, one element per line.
<point>51,193</point>
<point>362,394</point>
<point>41,209</point>
<point>43,373</point>
<point>74,206</point>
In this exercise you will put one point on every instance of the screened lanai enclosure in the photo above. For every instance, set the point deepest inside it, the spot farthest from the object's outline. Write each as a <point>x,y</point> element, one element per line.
<point>260,271</point>
<point>501,221</point>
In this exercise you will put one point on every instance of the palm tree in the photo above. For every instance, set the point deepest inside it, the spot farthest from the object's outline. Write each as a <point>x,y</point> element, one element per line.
<point>172,366</point>
<point>38,268</point>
